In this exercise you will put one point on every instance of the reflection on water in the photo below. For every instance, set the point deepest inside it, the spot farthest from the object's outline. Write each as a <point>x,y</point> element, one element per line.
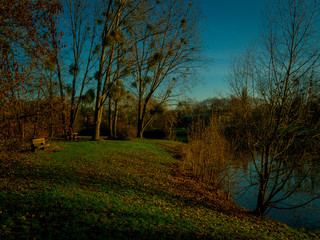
<point>245,194</point>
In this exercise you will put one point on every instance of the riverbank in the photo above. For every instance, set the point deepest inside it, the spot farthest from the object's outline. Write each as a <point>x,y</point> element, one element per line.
<point>119,190</point>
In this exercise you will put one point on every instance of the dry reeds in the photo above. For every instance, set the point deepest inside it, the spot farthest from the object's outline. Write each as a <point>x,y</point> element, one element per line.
<point>206,153</point>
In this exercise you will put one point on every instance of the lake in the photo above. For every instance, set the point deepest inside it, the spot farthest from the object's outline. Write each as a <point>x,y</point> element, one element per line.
<point>307,217</point>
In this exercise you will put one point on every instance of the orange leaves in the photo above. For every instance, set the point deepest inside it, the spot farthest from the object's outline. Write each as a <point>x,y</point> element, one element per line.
<point>21,47</point>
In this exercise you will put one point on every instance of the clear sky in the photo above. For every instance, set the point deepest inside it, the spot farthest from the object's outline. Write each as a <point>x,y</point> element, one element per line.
<point>230,26</point>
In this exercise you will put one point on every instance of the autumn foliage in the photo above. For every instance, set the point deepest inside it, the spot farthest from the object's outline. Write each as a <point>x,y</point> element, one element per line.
<point>24,46</point>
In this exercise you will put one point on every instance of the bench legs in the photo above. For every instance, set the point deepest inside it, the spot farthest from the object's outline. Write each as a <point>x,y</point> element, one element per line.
<point>34,148</point>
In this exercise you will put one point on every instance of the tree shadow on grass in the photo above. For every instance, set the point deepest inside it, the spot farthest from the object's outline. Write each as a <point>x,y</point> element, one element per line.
<point>56,202</point>
<point>48,216</point>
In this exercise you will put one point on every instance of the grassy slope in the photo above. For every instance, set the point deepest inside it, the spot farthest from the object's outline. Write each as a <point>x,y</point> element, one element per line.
<point>118,190</point>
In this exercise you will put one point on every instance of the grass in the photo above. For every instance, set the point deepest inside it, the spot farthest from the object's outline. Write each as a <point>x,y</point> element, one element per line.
<point>119,190</point>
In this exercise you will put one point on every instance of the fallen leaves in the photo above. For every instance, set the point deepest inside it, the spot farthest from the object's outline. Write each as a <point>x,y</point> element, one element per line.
<point>89,188</point>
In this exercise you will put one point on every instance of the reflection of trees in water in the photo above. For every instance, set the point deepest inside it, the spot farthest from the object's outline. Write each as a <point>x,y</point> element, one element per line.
<point>309,176</point>
<point>315,176</point>
<point>300,188</point>
<point>245,188</point>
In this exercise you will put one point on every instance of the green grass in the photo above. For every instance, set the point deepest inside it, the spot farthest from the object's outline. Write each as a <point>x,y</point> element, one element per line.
<point>118,190</point>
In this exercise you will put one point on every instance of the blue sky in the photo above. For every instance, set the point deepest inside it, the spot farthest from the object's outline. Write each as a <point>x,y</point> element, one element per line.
<point>230,26</point>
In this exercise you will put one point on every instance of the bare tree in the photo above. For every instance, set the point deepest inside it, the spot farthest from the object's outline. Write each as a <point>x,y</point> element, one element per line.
<point>166,57</point>
<point>56,46</point>
<point>274,83</point>
<point>116,94</point>
<point>81,20</point>
<point>118,17</point>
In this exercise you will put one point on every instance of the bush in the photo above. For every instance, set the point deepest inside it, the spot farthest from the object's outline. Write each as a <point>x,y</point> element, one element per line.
<point>206,154</point>
<point>126,133</point>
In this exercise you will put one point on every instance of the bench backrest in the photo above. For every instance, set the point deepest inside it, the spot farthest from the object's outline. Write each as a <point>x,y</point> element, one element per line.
<point>38,141</point>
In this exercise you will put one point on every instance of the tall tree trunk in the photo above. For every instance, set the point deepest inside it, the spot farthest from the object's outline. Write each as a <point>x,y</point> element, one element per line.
<point>97,122</point>
<point>35,129</point>
<point>56,56</point>
<point>19,116</point>
<point>110,127</point>
<point>63,115</point>
<point>263,183</point>
<point>140,119</point>
<point>51,105</point>
<point>72,116</point>
<point>99,103</point>
<point>140,132</point>
<point>261,208</point>
<point>115,119</point>
<point>73,110</point>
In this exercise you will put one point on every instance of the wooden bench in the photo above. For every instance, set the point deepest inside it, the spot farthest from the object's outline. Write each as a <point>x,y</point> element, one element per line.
<point>74,136</point>
<point>38,143</point>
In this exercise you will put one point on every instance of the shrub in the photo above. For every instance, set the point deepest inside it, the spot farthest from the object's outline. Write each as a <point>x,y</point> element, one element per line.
<point>126,133</point>
<point>206,153</point>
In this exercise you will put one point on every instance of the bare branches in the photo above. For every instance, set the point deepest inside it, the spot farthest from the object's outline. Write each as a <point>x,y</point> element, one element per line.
<point>163,58</point>
<point>277,77</point>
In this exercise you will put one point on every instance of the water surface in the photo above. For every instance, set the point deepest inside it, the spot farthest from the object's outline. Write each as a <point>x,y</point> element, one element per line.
<point>307,217</point>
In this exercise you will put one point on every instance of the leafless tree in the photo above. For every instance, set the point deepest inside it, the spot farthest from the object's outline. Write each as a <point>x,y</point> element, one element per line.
<point>81,19</point>
<point>166,57</point>
<point>274,83</point>
<point>118,17</point>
